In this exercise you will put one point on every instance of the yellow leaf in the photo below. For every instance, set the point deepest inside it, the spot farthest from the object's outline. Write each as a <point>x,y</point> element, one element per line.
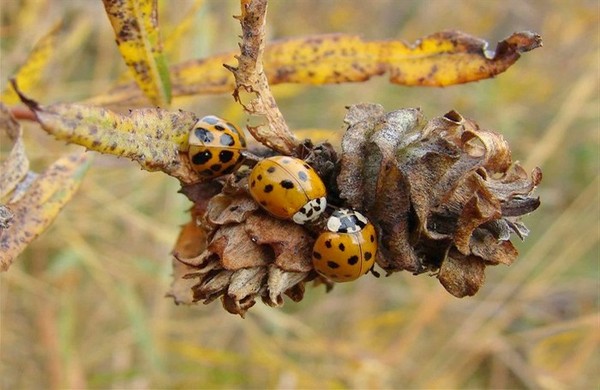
<point>30,73</point>
<point>153,137</point>
<point>40,205</point>
<point>441,59</point>
<point>135,23</point>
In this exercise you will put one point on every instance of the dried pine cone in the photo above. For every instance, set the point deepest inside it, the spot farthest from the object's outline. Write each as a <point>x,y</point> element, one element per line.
<point>444,195</point>
<point>244,254</point>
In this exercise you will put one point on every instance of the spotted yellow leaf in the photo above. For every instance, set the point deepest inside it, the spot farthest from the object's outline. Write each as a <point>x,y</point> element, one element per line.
<point>135,23</point>
<point>40,205</point>
<point>153,137</point>
<point>440,59</point>
<point>13,168</point>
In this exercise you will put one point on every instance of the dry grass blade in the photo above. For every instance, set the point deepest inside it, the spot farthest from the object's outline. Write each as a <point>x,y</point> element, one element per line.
<point>32,70</point>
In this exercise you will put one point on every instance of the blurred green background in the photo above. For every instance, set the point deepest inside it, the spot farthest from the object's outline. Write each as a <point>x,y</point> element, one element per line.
<point>84,306</point>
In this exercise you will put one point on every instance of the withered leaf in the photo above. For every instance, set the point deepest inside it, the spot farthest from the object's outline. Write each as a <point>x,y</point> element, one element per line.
<point>361,120</point>
<point>474,205</point>
<point>279,282</point>
<point>212,286</point>
<point>494,251</point>
<point>236,249</point>
<point>462,275</point>
<point>224,209</point>
<point>291,243</point>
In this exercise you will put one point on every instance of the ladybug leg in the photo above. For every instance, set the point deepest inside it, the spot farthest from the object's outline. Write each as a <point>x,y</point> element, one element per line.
<point>375,273</point>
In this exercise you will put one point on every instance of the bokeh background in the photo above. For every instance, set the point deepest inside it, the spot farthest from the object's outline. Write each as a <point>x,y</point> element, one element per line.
<point>84,306</point>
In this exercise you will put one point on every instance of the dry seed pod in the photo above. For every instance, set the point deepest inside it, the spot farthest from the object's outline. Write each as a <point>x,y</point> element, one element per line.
<point>455,192</point>
<point>443,194</point>
<point>247,254</point>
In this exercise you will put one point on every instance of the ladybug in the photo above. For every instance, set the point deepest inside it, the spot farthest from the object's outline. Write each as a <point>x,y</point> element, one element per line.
<point>347,249</point>
<point>215,147</point>
<point>288,187</point>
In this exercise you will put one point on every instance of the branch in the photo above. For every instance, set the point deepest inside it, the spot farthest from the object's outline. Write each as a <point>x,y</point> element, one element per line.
<point>250,76</point>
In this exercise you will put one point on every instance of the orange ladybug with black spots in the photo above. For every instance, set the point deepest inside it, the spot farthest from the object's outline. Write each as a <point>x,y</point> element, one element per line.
<point>347,249</point>
<point>215,147</point>
<point>288,188</point>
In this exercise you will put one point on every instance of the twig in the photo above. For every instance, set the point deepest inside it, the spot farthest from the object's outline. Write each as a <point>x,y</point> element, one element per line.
<point>250,76</point>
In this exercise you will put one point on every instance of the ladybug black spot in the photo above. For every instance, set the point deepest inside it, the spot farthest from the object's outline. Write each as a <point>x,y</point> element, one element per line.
<point>207,172</point>
<point>259,177</point>
<point>302,176</point>
<point>216,167</point>
<point>342,247</point>
<point>225,156</point>
<point>372,238</point>
<point>308,167</point>
<point>226,140</point>
<point>204,135</point>
<point>253,183</point>
<point>353,260</point>
<point>219,127</point>
<point>271,169</point>
<point>268,188</point>
<point>202,157</point>
<point>328,243</point>
<point>287,184</point>
<point>368,255</point>
<point>317,255</point>
<point>333,264</point>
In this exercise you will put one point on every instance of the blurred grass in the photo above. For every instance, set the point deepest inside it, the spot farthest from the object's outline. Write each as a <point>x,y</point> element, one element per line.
<point>84,307</point>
